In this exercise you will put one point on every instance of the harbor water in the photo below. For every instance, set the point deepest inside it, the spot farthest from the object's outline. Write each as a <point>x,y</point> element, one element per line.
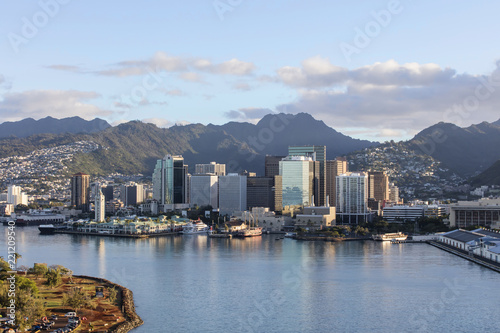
<point>200,284</point>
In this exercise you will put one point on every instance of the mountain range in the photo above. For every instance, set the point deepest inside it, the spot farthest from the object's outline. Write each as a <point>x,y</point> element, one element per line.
<point>134,147</point>
<point>30,126</point>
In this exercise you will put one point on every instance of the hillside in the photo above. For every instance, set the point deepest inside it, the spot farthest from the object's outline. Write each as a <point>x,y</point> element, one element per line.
<point>490,176</point>
<point>466,151</point>
<point>134,147</point>
<point>275,132</point>
<point>29,126</point>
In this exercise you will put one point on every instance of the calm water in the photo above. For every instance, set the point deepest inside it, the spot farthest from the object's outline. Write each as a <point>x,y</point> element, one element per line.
<point>196,284</point>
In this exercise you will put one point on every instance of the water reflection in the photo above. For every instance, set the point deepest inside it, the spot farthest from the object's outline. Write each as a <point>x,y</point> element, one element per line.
<point>195,283</point>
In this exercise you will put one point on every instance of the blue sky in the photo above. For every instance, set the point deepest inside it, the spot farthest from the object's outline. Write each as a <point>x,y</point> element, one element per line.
<point>378,70</point>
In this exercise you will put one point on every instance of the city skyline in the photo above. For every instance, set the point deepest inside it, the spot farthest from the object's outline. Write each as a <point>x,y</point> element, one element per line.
<point>363,69</point>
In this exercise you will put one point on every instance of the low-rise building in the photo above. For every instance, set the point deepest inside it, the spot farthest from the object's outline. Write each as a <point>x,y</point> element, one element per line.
<point>402,213</point>
<point>314,218</point>
<point>483,213</point>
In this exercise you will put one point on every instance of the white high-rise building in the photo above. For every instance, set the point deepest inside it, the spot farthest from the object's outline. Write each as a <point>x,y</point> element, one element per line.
<point>15,196</point>
<point>211,168</point>
<point>204,190</point>
<point>232,193</point>
<point>352,197</point>
<point>100,206</point>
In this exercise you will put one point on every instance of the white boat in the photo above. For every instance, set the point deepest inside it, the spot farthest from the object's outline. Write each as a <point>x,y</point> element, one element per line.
<point>398,236</point>
<point>197,227</point>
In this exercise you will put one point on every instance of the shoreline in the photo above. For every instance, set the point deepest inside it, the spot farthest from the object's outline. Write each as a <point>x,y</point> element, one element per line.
<point>128,308</point>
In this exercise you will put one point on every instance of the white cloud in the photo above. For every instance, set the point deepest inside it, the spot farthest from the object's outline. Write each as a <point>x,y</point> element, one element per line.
<point>56,103</point>
<point>163,62</point>
<point>315,72</point>
<point>251,115</point>
<point>191,77</point>
<point>234,67</point>
<point>160,122</point>
<point>392,99</point>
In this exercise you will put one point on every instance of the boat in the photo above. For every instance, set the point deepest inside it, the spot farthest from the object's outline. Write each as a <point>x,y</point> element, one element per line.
<point>197,227</point>
<point>250,232</point>
<point>396,236</point>
<point>290,234</point>
<point>47,229</point>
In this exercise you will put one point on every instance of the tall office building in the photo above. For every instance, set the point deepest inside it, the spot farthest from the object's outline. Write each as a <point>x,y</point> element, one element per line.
<point>204,190</point>
<point>169,179</point>
<point>232,193</point>
<point>132,194</point>
<point>297,177</point>
<point>317,153</point>
<point>211,168</point>
<point>265,192</point>
<point>80,191</point>
<point>352,198</point>
<point>272,165</point>
<point>333,169</point>
<point>378,186</point>
<point>393,193</point>
<point>100,206</point>
<point>108,192</point>
<point>16,196</point>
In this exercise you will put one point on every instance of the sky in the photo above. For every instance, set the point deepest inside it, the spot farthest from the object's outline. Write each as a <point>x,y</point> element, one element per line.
<point>377,70</point>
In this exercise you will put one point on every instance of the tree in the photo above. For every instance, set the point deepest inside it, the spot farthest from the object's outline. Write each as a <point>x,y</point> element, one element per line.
<point>113,293</point>
<point>38,269</point>
<point>53,277</point>
<point>75,298</point>
<point>17,256</point>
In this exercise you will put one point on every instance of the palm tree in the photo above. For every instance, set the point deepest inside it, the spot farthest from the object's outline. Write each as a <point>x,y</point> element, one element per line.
<point>16,257</point>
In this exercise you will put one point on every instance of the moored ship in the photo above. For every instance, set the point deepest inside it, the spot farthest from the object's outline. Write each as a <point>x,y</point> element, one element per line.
<point>47,229</point>
<point>250,232</point>
<point>398,236</point>
<point>195,228</point>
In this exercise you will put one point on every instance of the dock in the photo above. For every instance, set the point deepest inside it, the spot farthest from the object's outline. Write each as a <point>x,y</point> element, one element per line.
<point>74,232</point>
<point>471,257</point>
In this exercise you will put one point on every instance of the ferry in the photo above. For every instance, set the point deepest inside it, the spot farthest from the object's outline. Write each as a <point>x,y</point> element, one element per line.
<point>195,228</point>
<point>47,229</point>
<point>398,236</point>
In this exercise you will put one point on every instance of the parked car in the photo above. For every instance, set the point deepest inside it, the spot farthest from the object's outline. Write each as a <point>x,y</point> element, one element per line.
<point>70,314</point>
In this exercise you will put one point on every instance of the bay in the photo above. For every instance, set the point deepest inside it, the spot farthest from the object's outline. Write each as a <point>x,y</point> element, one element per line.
<point>197,284</point>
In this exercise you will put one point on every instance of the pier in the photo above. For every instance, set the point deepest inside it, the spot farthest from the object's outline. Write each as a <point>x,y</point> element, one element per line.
<point>84,233</point>
<point>471,257</point>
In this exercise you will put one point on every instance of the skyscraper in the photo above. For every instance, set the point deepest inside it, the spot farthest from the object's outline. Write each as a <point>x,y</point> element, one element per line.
<point>169,178</point>
<point>272,165</point>
<point>80,191</point>
<point>204,190</point>
<point>378,186</point>
<point>131,194</point>
<point>333,169</point>
<point>232,193</point>
<point>352,197</point>
<point>317,153</point>
<point>264,192</point>
<point>297,176</point>
<point>100,206</point>
<point>15,196</point>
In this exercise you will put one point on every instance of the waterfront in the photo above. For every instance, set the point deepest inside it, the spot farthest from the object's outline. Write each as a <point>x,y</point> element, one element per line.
<point>195,284</point>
